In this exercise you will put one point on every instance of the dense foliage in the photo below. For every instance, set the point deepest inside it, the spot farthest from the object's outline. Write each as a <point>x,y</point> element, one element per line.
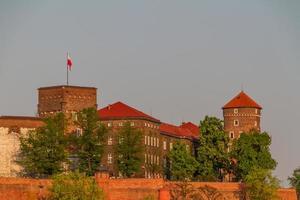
<point>295,180</point>
<point>261,185</point>
<point>75,186</point>
<point>129,150</point>
<point>183,164</point>
<point>89,143</point>
<point>43,151</point>
<point>252,150</point>
<point>212,155</point>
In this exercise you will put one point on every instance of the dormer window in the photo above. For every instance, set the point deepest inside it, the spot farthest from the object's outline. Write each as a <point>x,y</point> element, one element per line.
<point>236,111</point>
<point>236,122</point>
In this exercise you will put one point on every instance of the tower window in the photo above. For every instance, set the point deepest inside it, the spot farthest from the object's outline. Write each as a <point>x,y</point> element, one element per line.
<point>231,134</point>
<point>236,111</point>
<point>236,122</point>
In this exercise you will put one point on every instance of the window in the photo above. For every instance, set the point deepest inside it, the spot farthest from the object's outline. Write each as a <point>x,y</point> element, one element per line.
<point>157,142</point>
<point>165,145</point>
<point>121,124</point>
<point>109,158</point>
<point>109,124</point>
<point>121,140</point>
<point>231,134</point>
<point>151,159</point>
<point>157,160</point>
<point>236,111</point>
<point>255,123</point>
<point>145,139</point>
<point>187,147</point>
<point>151,140</point>
<point>148,140</point>
<point>145,158</point>
<point>171,145</point>
<point>154,141</point>
<point>132,124</point>
<point>256,111</point>
<point>109,140</point>
<point>236,122</point>
<point>78,132</point>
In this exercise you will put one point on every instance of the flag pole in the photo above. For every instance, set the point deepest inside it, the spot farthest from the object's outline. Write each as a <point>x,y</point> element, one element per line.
<point>67,70</point>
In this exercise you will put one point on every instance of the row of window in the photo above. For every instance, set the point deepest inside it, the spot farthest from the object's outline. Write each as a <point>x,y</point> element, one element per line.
<point>151,159</point>
<point>237,123</point>
<point>149,174</point>
<point>236,110</point>
<point>151,141</point>
<point>110,124</point>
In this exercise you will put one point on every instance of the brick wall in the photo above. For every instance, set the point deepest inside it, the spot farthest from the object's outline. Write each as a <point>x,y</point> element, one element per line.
<point>121,189</point>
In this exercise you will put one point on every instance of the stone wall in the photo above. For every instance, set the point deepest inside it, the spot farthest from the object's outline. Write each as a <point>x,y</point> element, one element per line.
<point>11,128</point>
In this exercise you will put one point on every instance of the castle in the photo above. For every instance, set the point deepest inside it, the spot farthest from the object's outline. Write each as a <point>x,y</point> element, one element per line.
<point>241,114</point>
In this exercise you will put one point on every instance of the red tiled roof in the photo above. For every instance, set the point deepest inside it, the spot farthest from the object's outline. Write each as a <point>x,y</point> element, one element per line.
<point>120,110</point>
<point>177,131</point>
<point>242,100</point>
<point>192,127</point>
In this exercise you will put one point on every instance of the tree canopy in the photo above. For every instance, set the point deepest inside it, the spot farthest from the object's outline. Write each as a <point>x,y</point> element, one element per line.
<point>261,185</point>
<point>89,143</point>
<point>75,186</point>
<point>183,164</point>
<point>252,150</point>
<point>43,151</point>
<point>129,150</point>
<point>212,154</point>
<point>295,180</point>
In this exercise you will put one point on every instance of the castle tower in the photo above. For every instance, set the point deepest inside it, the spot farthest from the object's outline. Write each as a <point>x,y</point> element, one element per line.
<point>241,114</point>
<point>66,99</point>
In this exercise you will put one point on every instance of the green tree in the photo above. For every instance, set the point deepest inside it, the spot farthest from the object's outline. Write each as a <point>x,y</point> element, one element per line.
<point>129,150</point>
<point>261,185</point>
<point>42,151</point>
<point>252,150</point>
<point>295,180</point>
<point>89,143</point>
<point>212,155</point>
<point>75,186</point>
<point>183,164</point>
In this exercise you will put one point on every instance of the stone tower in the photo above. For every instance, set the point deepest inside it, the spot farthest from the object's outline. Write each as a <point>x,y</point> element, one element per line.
<point>241,114</point>
<point>66,99</point>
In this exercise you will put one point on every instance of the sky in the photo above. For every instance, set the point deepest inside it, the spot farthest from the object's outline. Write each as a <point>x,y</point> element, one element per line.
<point>177,60</point>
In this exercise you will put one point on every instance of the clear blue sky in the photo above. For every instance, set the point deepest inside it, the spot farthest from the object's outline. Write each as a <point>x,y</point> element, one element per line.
<point>179,60</point>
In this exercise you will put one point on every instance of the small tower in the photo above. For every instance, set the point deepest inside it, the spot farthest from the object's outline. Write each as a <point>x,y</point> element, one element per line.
<point>241,114</point>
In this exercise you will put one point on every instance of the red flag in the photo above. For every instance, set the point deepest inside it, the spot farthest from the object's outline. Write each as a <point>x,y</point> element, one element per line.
<point>69,62</point>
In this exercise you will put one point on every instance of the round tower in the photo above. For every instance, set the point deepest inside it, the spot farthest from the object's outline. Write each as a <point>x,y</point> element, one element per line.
<point>241,114</point>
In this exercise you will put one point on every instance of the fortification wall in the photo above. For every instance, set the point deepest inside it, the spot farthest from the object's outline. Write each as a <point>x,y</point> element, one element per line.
<point>122,189</point>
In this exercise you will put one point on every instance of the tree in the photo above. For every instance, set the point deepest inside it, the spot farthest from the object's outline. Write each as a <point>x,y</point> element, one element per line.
<point>261,185</point>
<point>295,180</point>
<point>252,150</point>
<point>212,155</point>
<point>89,144</point>
<point>42,151</point>
<point>75,186</point>
<point>182,164</point>
<point>129,150</point>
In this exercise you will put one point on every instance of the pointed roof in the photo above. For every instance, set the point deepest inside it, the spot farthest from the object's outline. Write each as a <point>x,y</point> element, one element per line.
<point>178,131</point>
<point>192,127</point>
<point>242,100</point>
<point>120,110</point>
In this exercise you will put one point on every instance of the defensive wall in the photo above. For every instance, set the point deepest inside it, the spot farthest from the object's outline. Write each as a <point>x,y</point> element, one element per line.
<point>126,189</point>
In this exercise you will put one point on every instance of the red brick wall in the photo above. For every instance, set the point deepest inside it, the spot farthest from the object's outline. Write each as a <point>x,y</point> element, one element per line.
<point>119,189</point>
